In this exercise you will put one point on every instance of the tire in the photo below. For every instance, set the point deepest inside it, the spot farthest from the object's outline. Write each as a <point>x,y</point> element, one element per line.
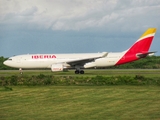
<point>77,72</point>
<point>81,72</point>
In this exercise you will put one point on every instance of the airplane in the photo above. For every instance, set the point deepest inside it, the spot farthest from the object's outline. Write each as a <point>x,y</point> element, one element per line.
<point>80,61</point>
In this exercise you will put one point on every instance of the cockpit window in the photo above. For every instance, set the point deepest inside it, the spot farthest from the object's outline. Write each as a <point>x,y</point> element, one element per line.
<point>9,59</point>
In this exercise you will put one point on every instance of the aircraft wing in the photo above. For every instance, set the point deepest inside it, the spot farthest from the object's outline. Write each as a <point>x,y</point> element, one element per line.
<point>81,62</point>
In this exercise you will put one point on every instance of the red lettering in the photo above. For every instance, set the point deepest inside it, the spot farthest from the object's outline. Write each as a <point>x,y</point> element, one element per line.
<point>43,56</point>
<point>35,57</point>
<point>53,56</point>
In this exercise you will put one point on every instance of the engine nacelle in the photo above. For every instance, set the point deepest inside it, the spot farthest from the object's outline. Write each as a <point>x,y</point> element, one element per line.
<point>89,65</point>
<point>57,67</point>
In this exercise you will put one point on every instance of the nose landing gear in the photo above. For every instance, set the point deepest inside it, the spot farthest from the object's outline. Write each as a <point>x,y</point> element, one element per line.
<point>21,71</point>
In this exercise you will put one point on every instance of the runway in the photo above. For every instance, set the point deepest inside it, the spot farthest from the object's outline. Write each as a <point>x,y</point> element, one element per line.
<point>88,72</point>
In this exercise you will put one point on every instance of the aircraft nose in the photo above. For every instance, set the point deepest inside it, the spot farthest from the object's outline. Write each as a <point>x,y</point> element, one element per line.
<point>5,62</point>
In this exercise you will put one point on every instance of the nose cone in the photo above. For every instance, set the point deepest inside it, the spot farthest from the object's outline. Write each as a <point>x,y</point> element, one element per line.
<point>5,63</point>
<point>8,63</point>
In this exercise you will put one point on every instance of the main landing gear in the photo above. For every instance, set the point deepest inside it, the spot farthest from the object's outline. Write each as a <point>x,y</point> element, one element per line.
<point>79,72</point>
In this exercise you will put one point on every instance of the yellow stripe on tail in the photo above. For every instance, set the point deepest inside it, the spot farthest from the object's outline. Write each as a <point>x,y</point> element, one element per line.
<point>149,31</point>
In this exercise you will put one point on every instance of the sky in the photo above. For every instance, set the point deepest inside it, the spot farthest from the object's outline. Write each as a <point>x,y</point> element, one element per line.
<point>75,26</point>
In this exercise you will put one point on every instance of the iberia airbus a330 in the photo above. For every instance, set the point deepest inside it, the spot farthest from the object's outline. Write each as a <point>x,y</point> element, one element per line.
<point>59,62</point>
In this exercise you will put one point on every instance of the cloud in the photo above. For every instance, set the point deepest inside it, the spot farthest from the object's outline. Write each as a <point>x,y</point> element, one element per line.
<point>29,11</point>
<point>57,24</point>
<point>80,14</point>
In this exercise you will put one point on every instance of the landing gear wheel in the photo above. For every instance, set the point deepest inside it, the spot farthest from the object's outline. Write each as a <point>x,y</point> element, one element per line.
<point>77,72</point>
<point>21,72</point>
<point>81,72</point>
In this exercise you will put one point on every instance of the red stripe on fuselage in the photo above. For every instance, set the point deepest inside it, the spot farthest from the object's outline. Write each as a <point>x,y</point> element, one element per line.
<point>141,46</point>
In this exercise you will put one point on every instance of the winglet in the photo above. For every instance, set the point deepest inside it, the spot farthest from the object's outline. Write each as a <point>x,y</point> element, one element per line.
<point>105,54</point>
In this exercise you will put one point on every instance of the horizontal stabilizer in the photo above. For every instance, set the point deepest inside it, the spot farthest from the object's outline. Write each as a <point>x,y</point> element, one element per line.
<point>142,55</point>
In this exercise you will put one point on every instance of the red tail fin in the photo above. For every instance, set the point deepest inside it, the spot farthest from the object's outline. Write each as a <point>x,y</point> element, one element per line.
<point>141,46</point>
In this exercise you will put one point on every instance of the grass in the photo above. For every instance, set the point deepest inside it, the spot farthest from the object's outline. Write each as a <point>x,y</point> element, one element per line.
<point>80,102</point>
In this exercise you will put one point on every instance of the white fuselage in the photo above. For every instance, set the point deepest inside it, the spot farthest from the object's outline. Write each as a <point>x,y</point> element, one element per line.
<point>47,60</point>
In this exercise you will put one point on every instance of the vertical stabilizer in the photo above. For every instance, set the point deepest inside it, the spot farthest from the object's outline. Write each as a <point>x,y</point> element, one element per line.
<point>140,47</point>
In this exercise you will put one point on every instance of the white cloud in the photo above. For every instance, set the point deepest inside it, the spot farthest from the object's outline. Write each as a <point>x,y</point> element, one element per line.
<point>80,14</point>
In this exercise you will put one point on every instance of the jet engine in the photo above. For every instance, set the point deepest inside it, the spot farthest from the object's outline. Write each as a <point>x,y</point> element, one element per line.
<point>89,65</point>
<point>57,67</point>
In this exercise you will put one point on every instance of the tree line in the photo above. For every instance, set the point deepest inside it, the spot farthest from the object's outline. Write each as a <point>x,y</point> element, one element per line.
<point>150,62</point>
